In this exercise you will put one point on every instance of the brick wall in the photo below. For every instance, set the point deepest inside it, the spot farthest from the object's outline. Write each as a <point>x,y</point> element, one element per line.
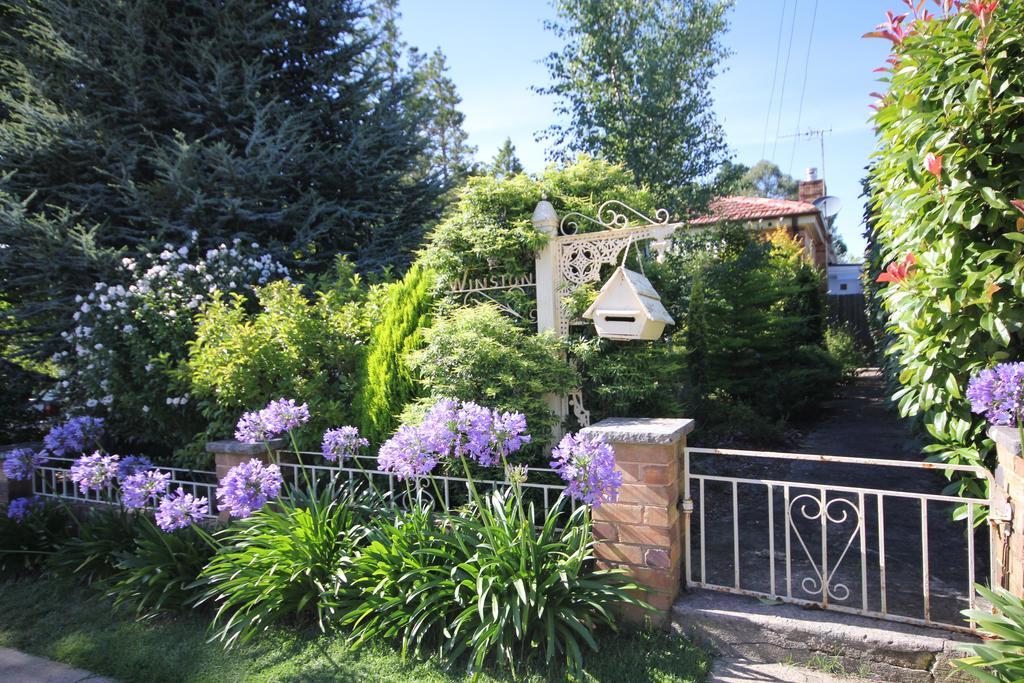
<point>1009,502</point>
<point>642,532</point>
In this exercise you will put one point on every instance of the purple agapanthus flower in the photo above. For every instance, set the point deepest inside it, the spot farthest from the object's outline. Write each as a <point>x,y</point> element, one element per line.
<point>508,433</point>
<point>468,430</point>
<point>998,393</point>
<point>144,488</point>
<point>408,454</point>
<point>284,415</point>
<point>280,416</point>
<point>473,425</point>
<point>20,508</point>
<point>133,464</point>
<point>75,436</point>
<point>252,428</point>
<point>587,464</point>
<point>95,472</point>
<point>21,463</point>
<point>341,443</point>
<point>248,486</point>
<point>179,510</point>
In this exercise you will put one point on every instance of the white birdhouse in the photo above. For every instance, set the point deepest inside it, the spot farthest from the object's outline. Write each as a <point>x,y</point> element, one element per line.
<point>628,307</point>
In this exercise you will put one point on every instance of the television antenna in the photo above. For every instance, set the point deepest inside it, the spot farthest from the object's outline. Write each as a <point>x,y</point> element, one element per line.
<point>814,133</point>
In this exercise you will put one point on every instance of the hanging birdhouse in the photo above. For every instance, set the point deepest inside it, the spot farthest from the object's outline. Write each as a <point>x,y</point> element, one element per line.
<point>628,307</point>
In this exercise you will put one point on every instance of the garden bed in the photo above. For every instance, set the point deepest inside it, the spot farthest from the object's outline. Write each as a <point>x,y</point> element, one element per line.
<point>69,623</point>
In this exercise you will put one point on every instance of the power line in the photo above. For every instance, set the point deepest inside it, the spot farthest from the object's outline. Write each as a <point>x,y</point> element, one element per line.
<point>785,73</point>
<point>775,75</point>
<point>803,88</point>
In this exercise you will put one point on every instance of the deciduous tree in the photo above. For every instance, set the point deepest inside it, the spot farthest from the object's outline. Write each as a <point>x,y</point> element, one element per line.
<point>633,80</point>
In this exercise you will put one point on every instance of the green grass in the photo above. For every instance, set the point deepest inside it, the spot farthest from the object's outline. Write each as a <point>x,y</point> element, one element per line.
<point>70,623</point>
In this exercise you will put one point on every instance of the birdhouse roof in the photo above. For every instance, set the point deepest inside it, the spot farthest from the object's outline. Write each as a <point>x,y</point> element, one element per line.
<point>646,296</point>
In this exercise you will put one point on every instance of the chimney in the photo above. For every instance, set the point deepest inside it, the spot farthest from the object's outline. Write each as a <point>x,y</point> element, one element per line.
<point>811,187</point>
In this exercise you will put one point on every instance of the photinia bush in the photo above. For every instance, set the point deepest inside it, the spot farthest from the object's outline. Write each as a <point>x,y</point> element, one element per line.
<point>943,185</point>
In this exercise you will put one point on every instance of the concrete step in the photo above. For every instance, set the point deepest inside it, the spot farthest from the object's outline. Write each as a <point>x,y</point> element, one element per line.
<point>741,628</point>
<point>738,670</point>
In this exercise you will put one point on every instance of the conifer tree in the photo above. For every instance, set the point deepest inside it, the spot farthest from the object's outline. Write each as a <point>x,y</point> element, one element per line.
<point>506,164</point>
<point>128,124</point>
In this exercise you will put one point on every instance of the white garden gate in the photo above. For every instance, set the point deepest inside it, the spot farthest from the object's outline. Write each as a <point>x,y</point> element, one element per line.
<point>834,546</point>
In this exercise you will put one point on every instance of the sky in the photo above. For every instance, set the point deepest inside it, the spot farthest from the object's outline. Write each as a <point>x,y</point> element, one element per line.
<point>495,50</point>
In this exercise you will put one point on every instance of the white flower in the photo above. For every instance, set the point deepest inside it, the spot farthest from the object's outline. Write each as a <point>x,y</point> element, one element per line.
<point>145,409</point>
<point>107,400</point>
<point>183,251</point>
<point>91,403</point>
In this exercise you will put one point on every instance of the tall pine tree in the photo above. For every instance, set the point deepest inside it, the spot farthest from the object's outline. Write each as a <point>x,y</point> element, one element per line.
<point>506,164</point>
<point>129,123</point>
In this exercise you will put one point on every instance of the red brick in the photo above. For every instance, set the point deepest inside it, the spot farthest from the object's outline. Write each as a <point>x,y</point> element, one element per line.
<point>647,535</point>
<point>655,474</point>
<point>619,553</point>
<point>631,472</point>
<point>665,581</point>
<point>658,496</point>
<point>619,513</point>
<point>658,558</point>
<point>605,531</point>
<point>660,516</point>
<point>645,454</point>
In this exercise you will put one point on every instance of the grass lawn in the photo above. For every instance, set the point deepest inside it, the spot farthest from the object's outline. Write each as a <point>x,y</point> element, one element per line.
<point>76,625</point>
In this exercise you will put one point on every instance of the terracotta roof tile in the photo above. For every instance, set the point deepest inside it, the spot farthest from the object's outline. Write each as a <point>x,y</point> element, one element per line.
<point>753,208</point>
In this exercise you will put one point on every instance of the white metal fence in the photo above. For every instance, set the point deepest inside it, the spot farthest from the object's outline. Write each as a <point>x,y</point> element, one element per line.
<point>53,480</point>
<point>445,490</point>
<point>832,545</point>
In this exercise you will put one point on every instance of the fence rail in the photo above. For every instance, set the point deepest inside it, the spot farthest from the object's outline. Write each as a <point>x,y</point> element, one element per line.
<point>445,490</point>
<point>807,561</point>
<point>53,480</point>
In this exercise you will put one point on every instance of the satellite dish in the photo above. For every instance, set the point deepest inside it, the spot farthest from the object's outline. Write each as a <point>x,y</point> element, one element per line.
<point>828,205</point>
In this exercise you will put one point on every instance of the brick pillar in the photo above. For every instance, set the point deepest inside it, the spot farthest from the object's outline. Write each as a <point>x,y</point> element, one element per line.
<point>1008,510</point>
<point>227,454</point>
<point>9,490</point>
<point>643,531</point>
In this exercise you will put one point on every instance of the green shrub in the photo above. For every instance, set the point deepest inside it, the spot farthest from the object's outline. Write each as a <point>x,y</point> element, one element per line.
<point>751,315</point>
<point>956,95</point>
<point>479,354</point>
<point>1000,658</point>
<point>287,562</point>
<point>632,378</point>
<point>27,544</point>
<point>157,575</point>
<point>723,422</point>
<point>307,350</point>
<point>842,346</point>
<point>386,383</point>
<point>405,580</point>
<point>488,231</point>
<point>529,592</point>
<point>104,534</point>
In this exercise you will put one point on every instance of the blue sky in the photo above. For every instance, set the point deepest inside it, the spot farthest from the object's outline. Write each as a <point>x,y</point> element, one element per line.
<point>495,49</point>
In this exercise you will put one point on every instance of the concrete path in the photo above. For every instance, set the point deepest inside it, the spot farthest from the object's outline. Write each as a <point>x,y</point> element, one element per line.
<point>738,670</point>
<point>18,667</point>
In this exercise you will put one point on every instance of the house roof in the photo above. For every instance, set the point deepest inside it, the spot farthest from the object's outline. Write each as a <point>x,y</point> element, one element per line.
<point>752,209</point>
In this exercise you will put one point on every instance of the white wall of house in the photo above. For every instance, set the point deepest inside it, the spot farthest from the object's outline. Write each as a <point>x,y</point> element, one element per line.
<point>844,278</point>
